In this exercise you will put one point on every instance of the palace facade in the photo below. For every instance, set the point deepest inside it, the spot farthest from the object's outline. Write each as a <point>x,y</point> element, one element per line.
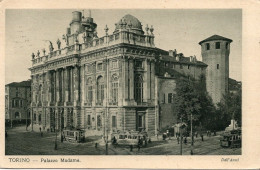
<point>120,81</point>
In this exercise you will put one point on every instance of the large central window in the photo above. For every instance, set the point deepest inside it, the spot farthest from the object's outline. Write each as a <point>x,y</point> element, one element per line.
<point>138,88</point>
<point>89,90</point>
<point>100,89</point>
<point>114,92</point>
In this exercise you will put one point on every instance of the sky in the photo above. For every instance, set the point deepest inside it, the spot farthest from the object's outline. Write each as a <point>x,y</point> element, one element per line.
<point>27,30</point>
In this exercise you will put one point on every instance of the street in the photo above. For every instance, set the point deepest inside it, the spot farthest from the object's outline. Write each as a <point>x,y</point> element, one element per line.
<point>22,142</point>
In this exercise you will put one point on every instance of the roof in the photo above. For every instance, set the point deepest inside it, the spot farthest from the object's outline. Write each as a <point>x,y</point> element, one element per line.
<point>182,60</point>
<point>130,20</point>
<point>215,37</point>
<point>20,84</point>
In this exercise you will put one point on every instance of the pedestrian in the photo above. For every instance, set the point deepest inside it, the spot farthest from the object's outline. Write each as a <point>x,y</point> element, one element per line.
<point>215,134</point>
<point>40,129</point>
<point>131,148</point>
<point>178,139</point>
<point>196,133</point>
<point>202,137</point>
<point>96,145</point>
<point>164,136</point>
<point>185,140</point>
<point>139,144</point>
<point>209,133</point>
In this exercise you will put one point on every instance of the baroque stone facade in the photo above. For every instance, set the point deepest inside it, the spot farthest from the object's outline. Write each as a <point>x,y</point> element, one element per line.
<point>106,84</point>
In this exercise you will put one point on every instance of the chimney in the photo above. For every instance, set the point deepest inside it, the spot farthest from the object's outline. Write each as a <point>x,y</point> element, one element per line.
<point>171,53</point>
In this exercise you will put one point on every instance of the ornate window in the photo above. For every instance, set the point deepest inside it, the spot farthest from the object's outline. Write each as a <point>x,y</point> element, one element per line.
<point>138,88</point>
<point>99,121</point>
<point>114,91</point>
<point>89,90</point>
<point>100,89</point>
<point>100,66</point>
<point>139,64</point>
<point>40,93</point>
<point>114,125</point>
<point>89,68</point>
<point>114,64</point>
<point>89,120</point>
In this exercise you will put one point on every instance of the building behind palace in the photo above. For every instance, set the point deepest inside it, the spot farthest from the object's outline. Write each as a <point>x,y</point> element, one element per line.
<point>120,81</point>
<point>17,102</point>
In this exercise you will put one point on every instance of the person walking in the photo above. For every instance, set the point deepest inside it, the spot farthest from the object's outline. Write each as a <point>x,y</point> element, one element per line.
<point>201,137</point>
<point>185,140</point>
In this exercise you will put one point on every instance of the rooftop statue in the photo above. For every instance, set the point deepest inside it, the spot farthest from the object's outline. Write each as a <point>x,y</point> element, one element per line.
<point>65,38</point>
<point>33,56</point>
<point>58,43</point>
<point>38,53</point>
<point>43,50</point>
<point>51,47</point>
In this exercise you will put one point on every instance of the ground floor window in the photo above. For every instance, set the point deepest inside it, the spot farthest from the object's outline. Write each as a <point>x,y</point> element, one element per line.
<point>89,120</point>
<point>114,122</point>
<point>99,121</point>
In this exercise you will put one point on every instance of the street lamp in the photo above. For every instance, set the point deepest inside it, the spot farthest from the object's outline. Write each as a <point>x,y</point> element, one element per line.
<point>191,151</point>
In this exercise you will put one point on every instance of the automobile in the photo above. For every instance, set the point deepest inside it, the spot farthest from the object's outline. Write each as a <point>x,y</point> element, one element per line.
<point>75,136</point>
<point>231,139</point>
<point>129,138</point>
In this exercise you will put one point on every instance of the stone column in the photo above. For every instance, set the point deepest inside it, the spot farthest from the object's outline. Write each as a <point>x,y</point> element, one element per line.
<point>145,81</point>
<point>66,86</point>
<point>127,80</point>
<point>57,86</point>
<point>76,84</point>
<point>152,80</point>
<point>149,80</point>
<point>54,87</point>
<point>131,77</point>
<point>71,85</point>
<point>83,85</point>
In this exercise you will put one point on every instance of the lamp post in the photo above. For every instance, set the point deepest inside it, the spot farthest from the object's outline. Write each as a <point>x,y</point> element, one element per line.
<point>180,129</point>
<point>55,128</point>
<point>191,151</point>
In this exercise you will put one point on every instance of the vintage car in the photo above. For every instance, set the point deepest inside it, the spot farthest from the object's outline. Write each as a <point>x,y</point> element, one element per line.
<point>231,139</point>
<point>76,136</point>
<point>129,138</point>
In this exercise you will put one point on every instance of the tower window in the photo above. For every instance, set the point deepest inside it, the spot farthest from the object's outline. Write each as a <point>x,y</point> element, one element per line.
<point>226,45</point>
<point>217,66</point>
<point>207,46</point>
<point>217,45</point>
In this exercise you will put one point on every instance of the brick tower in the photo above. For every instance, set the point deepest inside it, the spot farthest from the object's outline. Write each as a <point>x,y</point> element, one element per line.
<point>215,53</point>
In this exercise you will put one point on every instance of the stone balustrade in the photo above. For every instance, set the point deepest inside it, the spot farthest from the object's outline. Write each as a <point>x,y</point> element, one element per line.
<point>123,36</point>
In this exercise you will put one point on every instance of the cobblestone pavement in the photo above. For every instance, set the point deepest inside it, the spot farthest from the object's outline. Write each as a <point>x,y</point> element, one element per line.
<point>22,142</point>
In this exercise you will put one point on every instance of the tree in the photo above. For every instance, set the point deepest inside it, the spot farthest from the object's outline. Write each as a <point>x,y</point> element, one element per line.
<point>187,101</point>
<point>192,98</point>
<point>230,108</point>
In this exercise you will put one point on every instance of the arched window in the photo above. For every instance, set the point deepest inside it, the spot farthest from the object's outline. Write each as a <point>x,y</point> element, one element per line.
<point>40,93</point>
<point>138,88</point>
<point>114,91</point>
<point>89,90</point>
<point>100,89</point>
